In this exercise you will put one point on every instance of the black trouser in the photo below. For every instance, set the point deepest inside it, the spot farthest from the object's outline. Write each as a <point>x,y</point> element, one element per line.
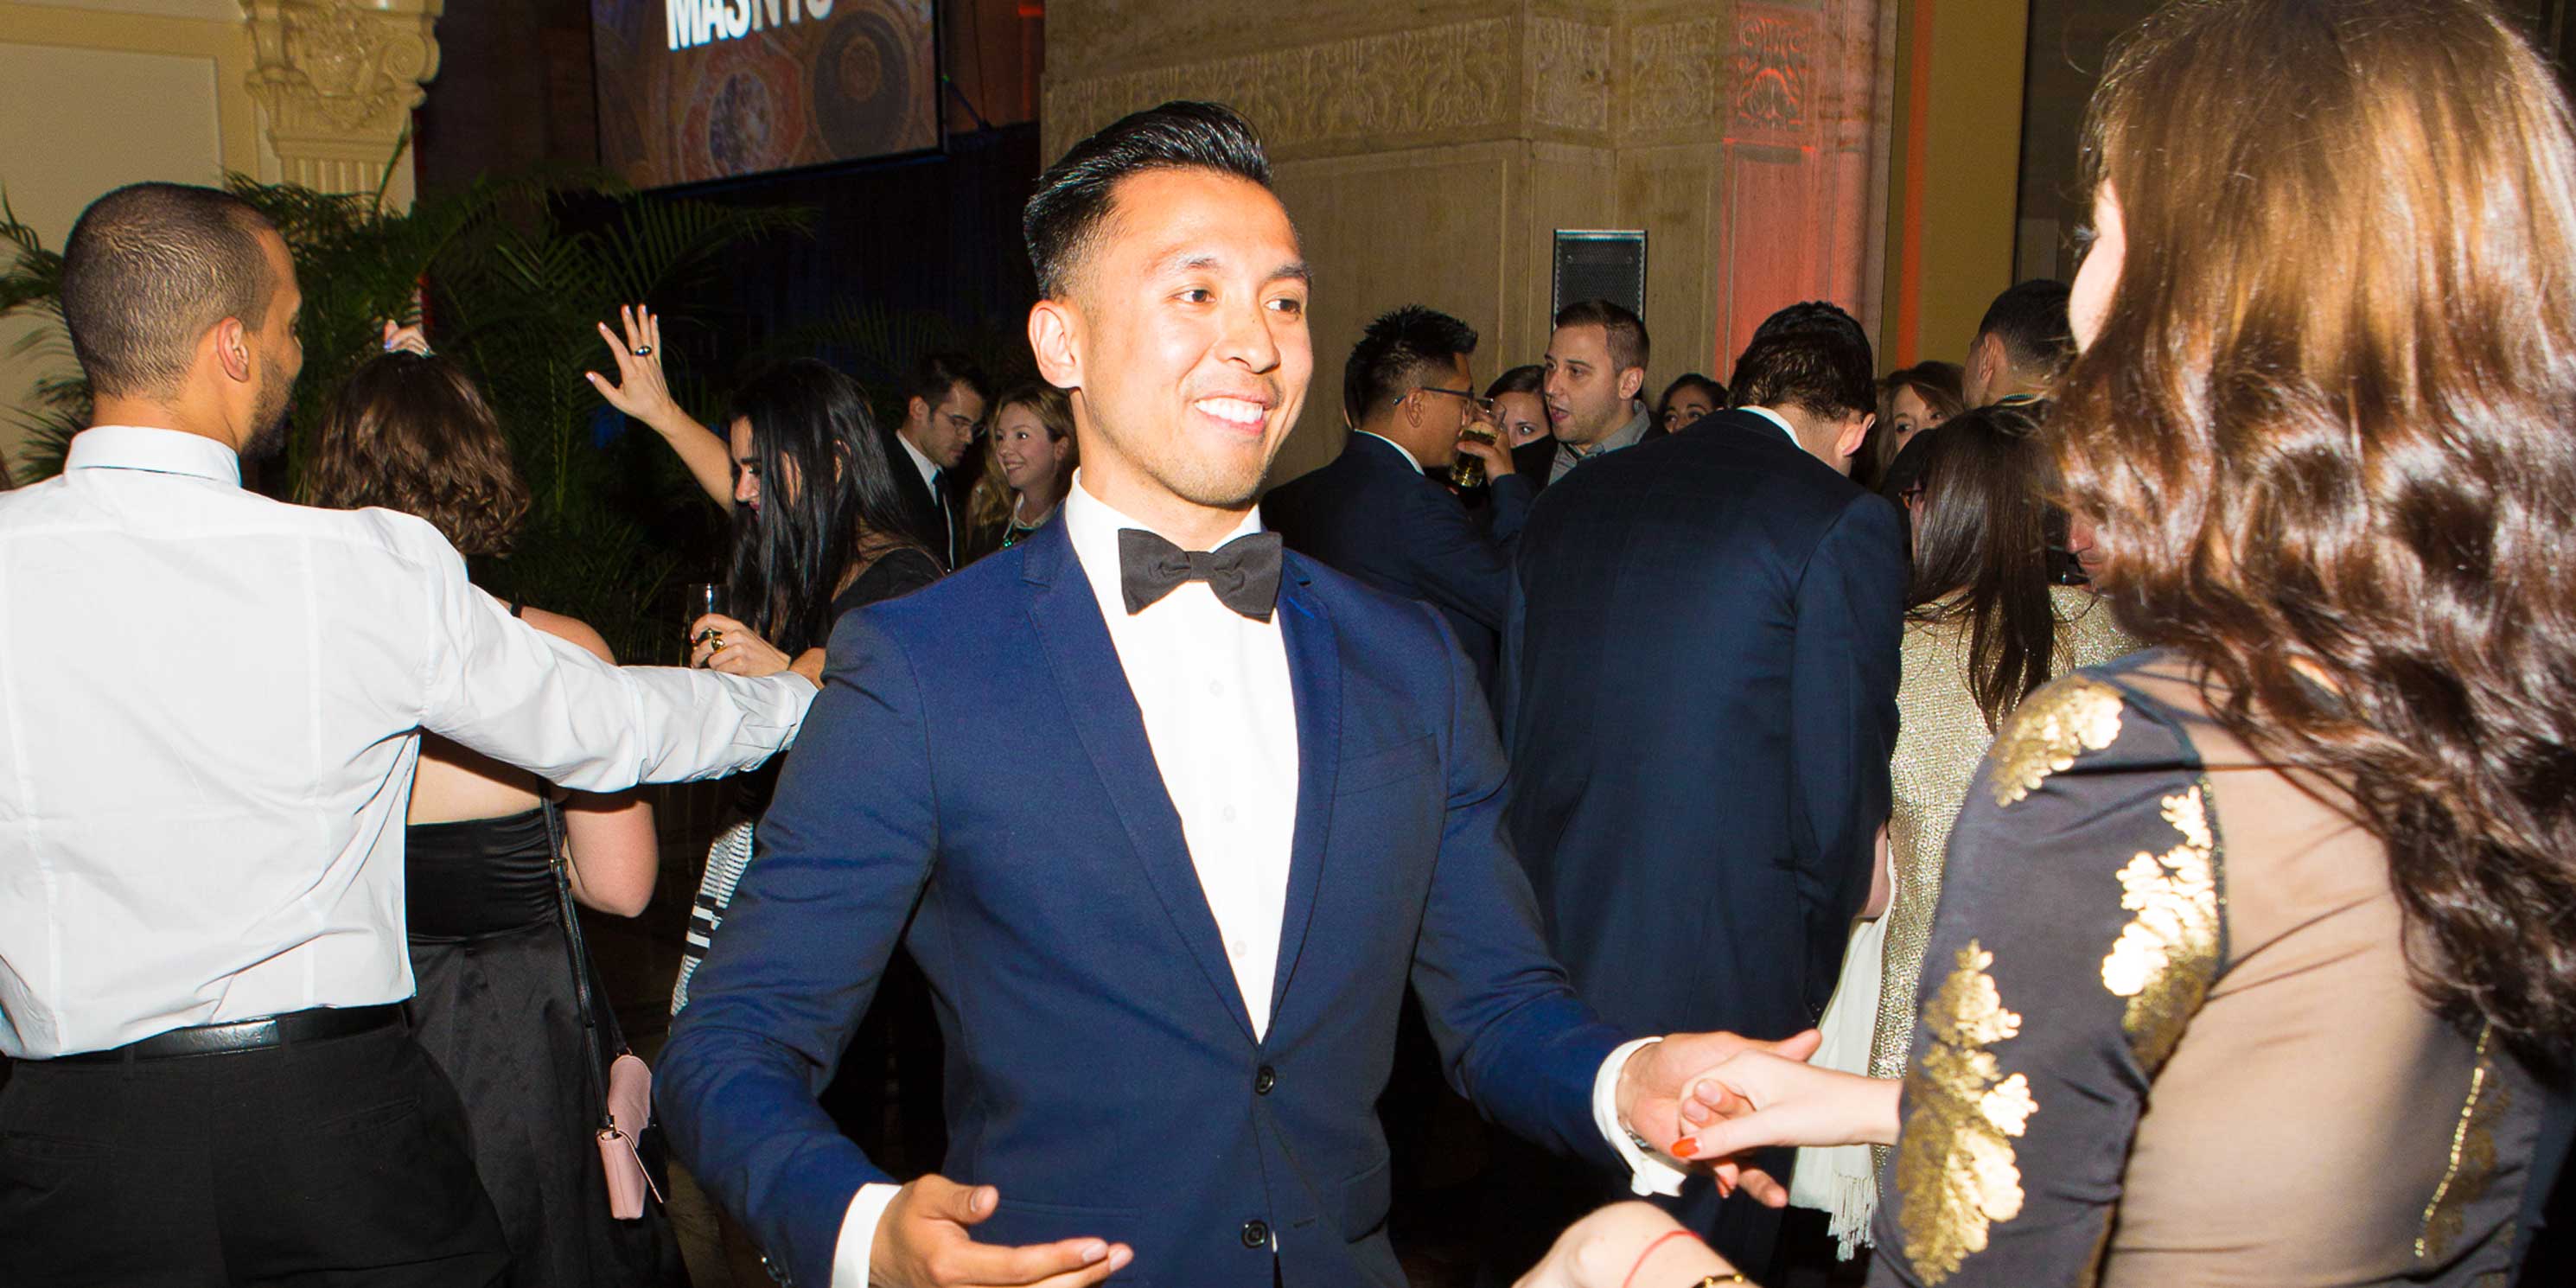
<point>330,1162</point>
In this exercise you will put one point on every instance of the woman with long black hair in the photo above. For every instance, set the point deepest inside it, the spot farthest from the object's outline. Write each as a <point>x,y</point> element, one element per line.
<point>819,526</point>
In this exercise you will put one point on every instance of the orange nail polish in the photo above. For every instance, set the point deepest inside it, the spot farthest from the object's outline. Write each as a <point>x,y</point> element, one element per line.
<point>1685,1147</point>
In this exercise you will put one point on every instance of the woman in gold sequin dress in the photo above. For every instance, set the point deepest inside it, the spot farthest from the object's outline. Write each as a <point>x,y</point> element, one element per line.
<point>2254,949</point>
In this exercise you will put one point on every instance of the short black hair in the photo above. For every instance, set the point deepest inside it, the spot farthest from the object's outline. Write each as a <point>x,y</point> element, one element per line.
<point>1629,346</point>
<point>1395,352</point>
<point>1074,194</point>
<point>1531,379</point>
<point>2031,321</point>
<point>147,269</point>
<point>1812,356</point>
<point>938,373</point>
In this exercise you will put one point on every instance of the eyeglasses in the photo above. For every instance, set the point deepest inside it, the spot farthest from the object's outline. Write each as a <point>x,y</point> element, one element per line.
<point>1485,405</point>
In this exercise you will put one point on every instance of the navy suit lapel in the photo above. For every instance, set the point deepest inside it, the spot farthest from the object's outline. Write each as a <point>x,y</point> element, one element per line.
<point>1315,678</point>
<point>1112,730</point>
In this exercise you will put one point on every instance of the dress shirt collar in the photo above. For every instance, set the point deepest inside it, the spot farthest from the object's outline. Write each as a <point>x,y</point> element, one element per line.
<point>1779,420</point>
<point>1627,435</point>
<point>929,470</point>
<point>160,451</point>
<point>1092,525</point>
<point>1399,448</point>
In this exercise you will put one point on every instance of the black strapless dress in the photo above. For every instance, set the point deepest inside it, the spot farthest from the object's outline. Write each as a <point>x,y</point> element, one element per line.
<point>496,1009</point>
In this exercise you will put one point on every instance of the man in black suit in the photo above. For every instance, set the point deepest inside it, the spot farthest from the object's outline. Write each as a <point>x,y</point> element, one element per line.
<point>1700,702</point>
<point>1410,390</point>
<point>1596,372</point>
<point>943,412</point>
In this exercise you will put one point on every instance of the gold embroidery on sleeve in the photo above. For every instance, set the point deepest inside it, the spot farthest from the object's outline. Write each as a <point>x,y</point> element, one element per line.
<point>2473,1157</point>
<point>2047,732</point>
<point>1956,1168</point>
<point>2167,956</point>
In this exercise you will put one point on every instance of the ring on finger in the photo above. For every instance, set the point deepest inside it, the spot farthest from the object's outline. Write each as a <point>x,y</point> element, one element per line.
<point>643,351</point>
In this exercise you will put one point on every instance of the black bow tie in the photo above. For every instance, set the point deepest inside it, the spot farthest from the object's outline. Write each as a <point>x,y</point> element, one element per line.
<point>1243,572</point>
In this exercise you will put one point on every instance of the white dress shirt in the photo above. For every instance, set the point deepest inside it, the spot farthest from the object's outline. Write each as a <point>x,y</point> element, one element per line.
<point>210,708</point>
<point>1781,421</point>
<point>1221,715</point>
<point>938,498</point>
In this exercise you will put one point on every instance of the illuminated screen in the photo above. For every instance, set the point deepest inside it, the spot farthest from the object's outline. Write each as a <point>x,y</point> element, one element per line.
<point>691,90</point>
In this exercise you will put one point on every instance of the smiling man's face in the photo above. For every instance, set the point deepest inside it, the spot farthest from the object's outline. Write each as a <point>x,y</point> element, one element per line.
<point>1187,332</point>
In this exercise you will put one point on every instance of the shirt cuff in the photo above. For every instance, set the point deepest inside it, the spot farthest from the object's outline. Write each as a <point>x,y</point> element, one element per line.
<point>1647,1173</point>
<point>859,1235</point>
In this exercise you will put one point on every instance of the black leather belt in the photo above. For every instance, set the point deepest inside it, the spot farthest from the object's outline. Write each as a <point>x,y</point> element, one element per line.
<point>248,1035</point>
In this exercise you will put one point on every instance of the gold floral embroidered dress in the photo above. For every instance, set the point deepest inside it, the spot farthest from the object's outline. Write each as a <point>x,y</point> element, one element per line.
<point>2167,1036</point>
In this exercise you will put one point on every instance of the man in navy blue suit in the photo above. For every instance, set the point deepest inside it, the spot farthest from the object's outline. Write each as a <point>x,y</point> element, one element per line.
<point>1250,802</point>
<point>1700,699</point>
<point>1410,391</point>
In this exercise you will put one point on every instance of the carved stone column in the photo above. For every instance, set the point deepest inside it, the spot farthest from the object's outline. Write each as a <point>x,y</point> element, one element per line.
<point>336,81</point>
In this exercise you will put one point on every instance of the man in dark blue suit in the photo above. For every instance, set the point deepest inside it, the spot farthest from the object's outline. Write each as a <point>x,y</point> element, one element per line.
<point>1250,801</point>
<point>1700,703</point>
<point>1410,391</point>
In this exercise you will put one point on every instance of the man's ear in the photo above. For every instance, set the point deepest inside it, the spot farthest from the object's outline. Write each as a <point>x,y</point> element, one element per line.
<point>917,411</point>
<point>1631,380</point>
<point>1988,359</point>
<point>1055,339</point>
<point>1855,432</point>
<point>232,350</point>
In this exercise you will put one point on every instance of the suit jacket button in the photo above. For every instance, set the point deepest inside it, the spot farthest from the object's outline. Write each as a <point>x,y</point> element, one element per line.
<point>1256,1234</point>
<point>1263,1081</point>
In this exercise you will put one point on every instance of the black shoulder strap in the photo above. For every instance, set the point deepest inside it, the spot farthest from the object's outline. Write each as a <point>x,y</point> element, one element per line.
<point>579,954</point>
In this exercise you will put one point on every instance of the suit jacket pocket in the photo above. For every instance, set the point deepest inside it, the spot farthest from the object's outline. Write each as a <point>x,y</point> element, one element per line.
<point>1387,766</point>
<point>1365,1198</point>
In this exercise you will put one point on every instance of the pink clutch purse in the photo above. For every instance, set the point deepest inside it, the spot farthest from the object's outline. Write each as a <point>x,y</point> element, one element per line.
<point>630,1110</point>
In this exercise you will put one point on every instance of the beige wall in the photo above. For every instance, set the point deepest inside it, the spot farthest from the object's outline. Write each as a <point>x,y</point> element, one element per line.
<point>1957,116</point>
<point>99,93</point>
<point>1428,151</point>
<point>93,95</point>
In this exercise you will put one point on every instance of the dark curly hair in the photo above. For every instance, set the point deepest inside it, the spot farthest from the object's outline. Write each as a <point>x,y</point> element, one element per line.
<point>2322,425</point>
<point>412,433</point>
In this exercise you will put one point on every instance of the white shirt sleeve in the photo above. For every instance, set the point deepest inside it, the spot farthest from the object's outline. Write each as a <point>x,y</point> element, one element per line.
<point>523,697</point>
<point>858,1239</point>
<point>1647,1173</point>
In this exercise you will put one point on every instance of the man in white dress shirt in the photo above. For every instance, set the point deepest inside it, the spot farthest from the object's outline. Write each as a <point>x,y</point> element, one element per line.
<point>210,707</point>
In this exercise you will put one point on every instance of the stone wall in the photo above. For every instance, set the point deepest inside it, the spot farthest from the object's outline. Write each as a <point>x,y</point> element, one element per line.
<point>1428,149</point>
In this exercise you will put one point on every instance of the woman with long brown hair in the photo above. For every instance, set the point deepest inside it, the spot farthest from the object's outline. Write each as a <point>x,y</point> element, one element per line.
<point>498,1004</point>
<point>2256,948</point>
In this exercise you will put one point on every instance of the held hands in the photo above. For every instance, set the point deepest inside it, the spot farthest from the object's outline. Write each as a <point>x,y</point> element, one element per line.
<point>1659,1078</point>
<point>923,1242</point>
<point>719,643</point>
<point>1617,1246</point>
<point>640,391</point>
<point>1760,1098</point>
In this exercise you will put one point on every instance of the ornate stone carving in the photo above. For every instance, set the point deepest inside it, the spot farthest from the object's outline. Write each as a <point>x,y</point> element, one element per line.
<point>1570,84</point>
<point>1434,80</point>
<point>336,81</point>
<point>1774,64</point>
<point>1678,74</point>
